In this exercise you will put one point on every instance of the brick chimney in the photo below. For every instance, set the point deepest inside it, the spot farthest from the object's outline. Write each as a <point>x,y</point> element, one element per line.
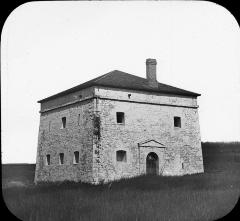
<point>151,65</point>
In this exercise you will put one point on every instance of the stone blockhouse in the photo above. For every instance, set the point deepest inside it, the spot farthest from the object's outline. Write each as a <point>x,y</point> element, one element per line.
<point>118,125</point>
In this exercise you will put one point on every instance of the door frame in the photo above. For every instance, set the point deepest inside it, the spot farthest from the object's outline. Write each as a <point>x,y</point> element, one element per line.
<point>156,162</point>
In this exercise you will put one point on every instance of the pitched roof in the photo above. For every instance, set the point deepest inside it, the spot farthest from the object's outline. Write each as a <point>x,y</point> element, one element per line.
<point>119,79</point>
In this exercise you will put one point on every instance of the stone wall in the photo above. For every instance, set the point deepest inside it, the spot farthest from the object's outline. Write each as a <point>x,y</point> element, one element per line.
<point>77,136</point>
<point>97,136</point>
<point>146,120</point>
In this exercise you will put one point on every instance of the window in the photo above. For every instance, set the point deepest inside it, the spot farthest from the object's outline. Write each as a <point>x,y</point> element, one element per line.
<point>129,96</point>
<point>48,159</point>
<point>76,157</point>
<point>177,122</point>
<point>79,118</point>
<point>121,156</point>
<point>63,122</point>
<point>61,158</point>
<point>120,117</point>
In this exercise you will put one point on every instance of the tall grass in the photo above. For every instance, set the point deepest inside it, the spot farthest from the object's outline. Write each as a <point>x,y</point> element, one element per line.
<point>206,196</point>
<point>125,200</point>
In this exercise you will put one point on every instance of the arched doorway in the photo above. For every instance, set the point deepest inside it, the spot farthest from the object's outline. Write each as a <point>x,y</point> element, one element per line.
<point>152,164</point>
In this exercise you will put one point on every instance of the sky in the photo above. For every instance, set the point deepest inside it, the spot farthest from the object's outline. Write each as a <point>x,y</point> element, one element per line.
<point>48,47</point>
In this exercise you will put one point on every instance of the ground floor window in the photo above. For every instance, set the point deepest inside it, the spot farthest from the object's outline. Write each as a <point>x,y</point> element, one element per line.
<point>61,158</point>
<point>76,157</point>
<point>48,159</point>
<point>121,155</point>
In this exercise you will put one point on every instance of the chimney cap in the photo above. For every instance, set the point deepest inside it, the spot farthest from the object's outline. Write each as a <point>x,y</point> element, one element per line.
<point>151,61</point>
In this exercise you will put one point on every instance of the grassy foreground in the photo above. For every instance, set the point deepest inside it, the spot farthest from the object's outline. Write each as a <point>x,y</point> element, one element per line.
<point>205,196</point>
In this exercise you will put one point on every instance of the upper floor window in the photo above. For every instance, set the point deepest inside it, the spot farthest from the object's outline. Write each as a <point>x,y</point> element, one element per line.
<point>76,157</point>
<point>61,158</point>
<point>120,118</point>
<point>48,159</point>
<point>177,121</point>
<point>121,155</point>
<point>64,120</point>
<point>79,119</point>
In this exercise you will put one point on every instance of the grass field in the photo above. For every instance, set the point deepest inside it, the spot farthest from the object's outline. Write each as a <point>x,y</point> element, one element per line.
<point>206,196</point>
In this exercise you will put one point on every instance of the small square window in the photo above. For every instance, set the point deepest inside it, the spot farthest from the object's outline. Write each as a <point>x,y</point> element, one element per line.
<point>61,158</point>
<point>177,121</point>
<point>76,157</point>
<point>121,156</point>
<point>120,118</point>
<point>63,122</point>
<point>48,159</point>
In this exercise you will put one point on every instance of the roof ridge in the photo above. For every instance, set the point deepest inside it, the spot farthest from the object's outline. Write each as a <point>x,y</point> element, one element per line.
<point>103,76</point>
<point>132,75</point>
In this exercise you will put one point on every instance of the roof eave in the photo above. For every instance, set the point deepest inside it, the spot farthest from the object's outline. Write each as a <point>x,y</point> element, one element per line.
<point>111,86</point>
<point>69,91</point>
